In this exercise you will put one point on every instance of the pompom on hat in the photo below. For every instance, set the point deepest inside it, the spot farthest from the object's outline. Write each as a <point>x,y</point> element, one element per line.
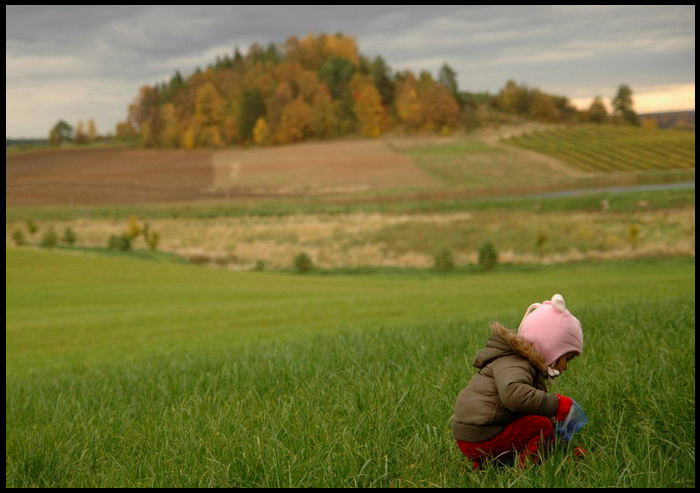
<point>552,329</point>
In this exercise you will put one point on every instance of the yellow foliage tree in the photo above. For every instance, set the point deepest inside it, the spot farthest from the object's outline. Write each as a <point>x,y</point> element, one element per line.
<point>80,135</point>
<point>283,96</point>
<point>310,54</point>
<point>295,123</point>
<point>230,129</point>
<point>340,45</point>
<point>208,105</point>
<point>323,119</point>
<point>261,132</point>
<point>309,85</point>
<point>367,105</point>
<point>408,105</point>
<point>170,135</point>
<point>92,131</point>
<point>439,109</point>
<point>209,116</point>
<point>542,108</point>
<point>148,138</point>
<point>188,141</point>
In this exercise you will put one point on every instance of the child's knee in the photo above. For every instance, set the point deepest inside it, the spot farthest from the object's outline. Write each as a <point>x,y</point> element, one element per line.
<point>543,424</point>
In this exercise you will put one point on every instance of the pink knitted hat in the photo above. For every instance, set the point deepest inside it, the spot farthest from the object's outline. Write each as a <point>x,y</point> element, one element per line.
<point>552,329</point>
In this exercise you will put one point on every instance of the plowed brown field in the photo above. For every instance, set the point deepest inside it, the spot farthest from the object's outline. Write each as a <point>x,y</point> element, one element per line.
<point>106,176</point>
<point>114,176</point>
<point>319,167</point>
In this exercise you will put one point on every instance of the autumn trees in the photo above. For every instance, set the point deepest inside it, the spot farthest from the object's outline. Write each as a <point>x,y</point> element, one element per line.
<point>532,103</point>
<point>316,87</point>
<point>62,133</point>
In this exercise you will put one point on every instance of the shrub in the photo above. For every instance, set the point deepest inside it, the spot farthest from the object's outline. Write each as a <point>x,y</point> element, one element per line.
<point>31,226</point>
<point>488,256</point>
<point>152,239</point>
<point>198,259</point>
<point>259,265</point>
<point>540,239</point>
<point>120,242</point>
<point>50,238</point>
<point>134,228</point>
<point>443,260</point>
<point>303,263</point>
<point>18,237</point>
<point>633,235</point>
<point>69,237</point>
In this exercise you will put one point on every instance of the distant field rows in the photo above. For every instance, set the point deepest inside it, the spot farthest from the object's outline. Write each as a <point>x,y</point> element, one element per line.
<point>606,148</point>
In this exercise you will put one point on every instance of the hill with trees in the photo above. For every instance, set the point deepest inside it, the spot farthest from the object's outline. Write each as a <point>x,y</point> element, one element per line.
<point>321,87</point>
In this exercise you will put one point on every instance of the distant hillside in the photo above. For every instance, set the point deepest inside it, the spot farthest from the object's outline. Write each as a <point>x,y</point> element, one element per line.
<point>679,119</point>
<point>320,87</point>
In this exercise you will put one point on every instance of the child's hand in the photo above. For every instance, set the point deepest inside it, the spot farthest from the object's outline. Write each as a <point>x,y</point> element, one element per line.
<point>564,407</point>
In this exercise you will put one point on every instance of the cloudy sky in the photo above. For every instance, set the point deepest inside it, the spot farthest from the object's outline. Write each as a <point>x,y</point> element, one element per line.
<point>84,62</point>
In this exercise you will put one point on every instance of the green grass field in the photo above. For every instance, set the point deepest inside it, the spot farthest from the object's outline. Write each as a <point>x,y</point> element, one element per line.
<point>611,148</point>
<point>474,165</point>
<point>127,373</point>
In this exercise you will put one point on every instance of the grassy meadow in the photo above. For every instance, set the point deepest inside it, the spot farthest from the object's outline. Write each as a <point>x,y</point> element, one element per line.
<point>129,373</point>
<point>141,369</point>
<point>524,231</point>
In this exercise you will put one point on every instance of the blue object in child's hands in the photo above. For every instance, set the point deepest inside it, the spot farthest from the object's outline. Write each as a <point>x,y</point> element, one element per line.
<point>575,420</point>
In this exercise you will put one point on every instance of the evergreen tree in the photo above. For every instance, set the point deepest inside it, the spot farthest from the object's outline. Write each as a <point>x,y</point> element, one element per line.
<point>336,72</point>
<point>448,78</point>
<point>381,75</point>
<point>252,108</point>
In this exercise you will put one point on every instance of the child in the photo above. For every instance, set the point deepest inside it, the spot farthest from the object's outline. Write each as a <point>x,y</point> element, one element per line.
<point>506,407</point>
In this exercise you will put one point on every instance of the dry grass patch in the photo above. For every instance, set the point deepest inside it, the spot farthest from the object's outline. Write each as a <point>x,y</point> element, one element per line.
<point>404,240</point>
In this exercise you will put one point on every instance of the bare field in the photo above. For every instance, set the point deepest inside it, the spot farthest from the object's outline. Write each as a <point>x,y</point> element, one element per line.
<point>318,167</point>
<point>406,240</point>
<point>418,167</point>
<point>119,176</point>
<point>106,176</point>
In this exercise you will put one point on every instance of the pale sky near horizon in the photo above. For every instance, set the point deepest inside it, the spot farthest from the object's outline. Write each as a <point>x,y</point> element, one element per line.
<point>81,62</point>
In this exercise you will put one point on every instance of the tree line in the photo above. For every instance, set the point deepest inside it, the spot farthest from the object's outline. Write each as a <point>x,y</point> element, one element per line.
<point>64,132</point>
<point>320,87</point>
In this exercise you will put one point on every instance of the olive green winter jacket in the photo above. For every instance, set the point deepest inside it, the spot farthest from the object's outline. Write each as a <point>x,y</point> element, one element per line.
<point>510,384</point>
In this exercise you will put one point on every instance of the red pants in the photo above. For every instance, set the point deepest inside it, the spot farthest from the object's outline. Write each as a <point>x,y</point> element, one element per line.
<point>525,435</point>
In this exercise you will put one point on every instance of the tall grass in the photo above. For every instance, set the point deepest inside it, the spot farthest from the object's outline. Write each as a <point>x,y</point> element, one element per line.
<point>365,402</point>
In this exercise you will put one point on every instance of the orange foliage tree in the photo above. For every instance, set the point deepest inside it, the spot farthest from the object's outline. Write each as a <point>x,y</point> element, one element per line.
<point>368,108</point>
<point>295,123</point>
<point>320,87</point>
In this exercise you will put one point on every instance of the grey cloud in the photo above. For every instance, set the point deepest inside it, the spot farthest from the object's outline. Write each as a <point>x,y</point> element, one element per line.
<point>563,48</point>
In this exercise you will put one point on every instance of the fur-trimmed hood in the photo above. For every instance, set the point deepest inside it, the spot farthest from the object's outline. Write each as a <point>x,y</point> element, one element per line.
<point>504,342</point>
<point>482,410</point>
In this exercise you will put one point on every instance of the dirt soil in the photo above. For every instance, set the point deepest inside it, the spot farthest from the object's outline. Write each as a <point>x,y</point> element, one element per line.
<point>118,176</point>
<point>319,167</point>
<point>106,176</point>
